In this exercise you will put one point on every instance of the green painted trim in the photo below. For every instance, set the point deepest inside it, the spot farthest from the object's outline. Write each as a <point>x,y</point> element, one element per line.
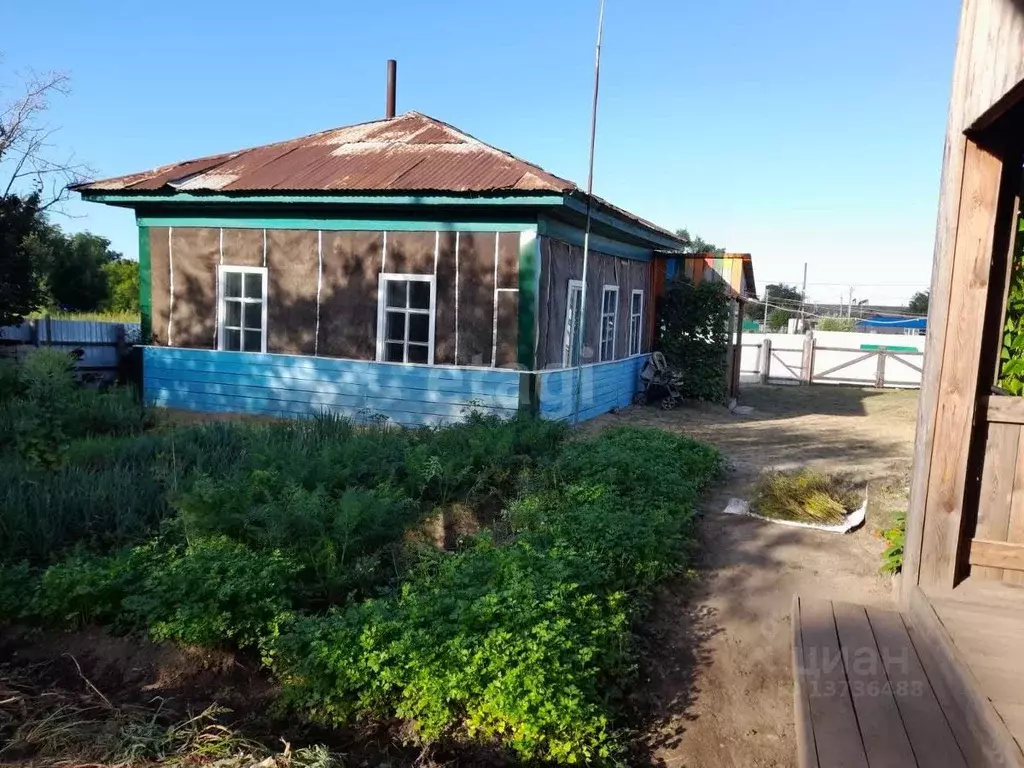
<point>396,225</point>
<point>145,287</point>
<point>114,198</point>
<point>529,276</point>
<point>574,236</point>
<point>600,212</point>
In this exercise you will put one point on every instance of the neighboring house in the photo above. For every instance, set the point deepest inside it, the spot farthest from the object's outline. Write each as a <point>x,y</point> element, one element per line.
<point>398,267</point>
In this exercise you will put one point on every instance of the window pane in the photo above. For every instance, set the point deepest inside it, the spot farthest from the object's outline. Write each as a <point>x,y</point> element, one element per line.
<point>393,353</point>
<point>637,302</point>
<point>417,353</point>
<point>253,341</point>
<point>396,293</point>
<point>253,315</point>
<point>232,284</point>
<point>609,301</point>
<point>419,294</point>
<point>232,313</point>
<point>233,340</point>
<point>253,286</point>
<point>419,328</point>
<point>395,326</point>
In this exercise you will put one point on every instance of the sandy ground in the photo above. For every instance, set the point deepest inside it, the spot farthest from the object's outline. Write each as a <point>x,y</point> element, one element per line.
<point>717,668</point>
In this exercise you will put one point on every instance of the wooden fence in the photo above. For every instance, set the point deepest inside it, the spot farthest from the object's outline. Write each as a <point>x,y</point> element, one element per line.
<point>99,346</point>
<point>812,362</point>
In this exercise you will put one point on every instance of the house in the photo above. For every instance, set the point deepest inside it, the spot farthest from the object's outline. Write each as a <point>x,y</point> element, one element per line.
<point>941,682</point>
<point>399,268</point>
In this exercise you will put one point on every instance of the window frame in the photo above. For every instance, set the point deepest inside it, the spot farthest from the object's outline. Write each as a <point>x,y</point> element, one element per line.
<point>605,290</point>
<point>567,338</point>
<point>382,309</point>
<point>639,318</point>
<point>222,271</point>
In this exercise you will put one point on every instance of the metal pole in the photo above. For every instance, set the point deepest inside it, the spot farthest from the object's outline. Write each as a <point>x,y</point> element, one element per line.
<point>803,298</point>
<point>764,328</point>
<point>577,394</point>
<point>849,306</point>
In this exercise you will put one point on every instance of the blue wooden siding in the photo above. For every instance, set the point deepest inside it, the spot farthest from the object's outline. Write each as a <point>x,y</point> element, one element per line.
<point>289,386</point>
<point>603,386</point>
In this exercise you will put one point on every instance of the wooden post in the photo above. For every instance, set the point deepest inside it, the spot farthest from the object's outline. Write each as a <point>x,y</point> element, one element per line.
<point>807,360</point>
<point>730,361</point>
<point>737,352</point>
<point>880,369</point>
<point>766,359</point>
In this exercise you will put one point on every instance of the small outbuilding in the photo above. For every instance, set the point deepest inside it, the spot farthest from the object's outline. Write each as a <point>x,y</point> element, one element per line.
<point>396,268</point>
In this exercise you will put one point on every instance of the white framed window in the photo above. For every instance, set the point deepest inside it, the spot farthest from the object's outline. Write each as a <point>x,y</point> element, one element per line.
<point>242,310</point>
<point>636,321</point>
<point>571,339</point>
<point>609,320</point>
<point>405,318</point>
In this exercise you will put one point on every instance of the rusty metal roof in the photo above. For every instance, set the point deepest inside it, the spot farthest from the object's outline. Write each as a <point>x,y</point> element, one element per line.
<point>409,153</point>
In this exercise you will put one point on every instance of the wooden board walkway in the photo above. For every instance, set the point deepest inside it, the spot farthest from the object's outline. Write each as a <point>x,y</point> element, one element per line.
<point>863,698</point>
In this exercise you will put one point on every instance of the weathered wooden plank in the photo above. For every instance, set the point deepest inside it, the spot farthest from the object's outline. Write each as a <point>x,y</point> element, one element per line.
<point>997,554</point>
<point>1014,533</point>
<point>981,734</point>
<point>885,739</point>
<point>806,751</point>
<point>958,381</point>
<point>997,484</point>
<point>930,735</point>
<point>1004,409</point>
<point>836,735</point>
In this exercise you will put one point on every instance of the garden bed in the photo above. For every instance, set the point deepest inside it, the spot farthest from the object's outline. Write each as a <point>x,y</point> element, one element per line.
<point>473,587</point>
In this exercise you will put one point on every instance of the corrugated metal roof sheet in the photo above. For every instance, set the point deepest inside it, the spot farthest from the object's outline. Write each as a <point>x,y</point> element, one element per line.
<point>409,153</point>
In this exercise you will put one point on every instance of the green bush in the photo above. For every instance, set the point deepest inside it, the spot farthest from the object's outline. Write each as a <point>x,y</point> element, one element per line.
<point>693,333</point>
<point>895,538</point>
<point>214,592</point>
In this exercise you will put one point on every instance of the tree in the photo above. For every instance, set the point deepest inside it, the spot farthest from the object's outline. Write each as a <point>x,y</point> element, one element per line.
<point>696,244</point>
<point>19,280</point>
<point>693,324</point>
<point>919,303</point>
<point>778,296</point>
<point>27,163</point>
<point>123,283</point>
<point>778,319</point>
<point>78,273</point>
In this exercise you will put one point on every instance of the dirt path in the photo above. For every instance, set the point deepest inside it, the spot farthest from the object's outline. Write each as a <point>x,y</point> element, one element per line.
<point>718,667</point>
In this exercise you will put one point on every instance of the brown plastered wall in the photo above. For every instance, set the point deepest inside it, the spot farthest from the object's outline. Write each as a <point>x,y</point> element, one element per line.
<point>476,297</point>
<point>352,262</point>
<point>160,283</point>
<point>195,253</point>
<point>561,262</point>
<point>444,316</point>
<point>348,294</point>
<point>293,268</point>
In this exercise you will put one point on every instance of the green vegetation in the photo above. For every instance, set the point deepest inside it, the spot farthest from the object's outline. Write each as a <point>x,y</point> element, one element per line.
<point>847,324</point>
<point>693,332</point>
<point>806,496</point>
<point>1012,364</point>
<point>302,543</point>
<point>895,537</point>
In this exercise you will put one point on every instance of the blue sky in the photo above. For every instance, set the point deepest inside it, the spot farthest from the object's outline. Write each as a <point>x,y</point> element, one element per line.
<point>797,130</point>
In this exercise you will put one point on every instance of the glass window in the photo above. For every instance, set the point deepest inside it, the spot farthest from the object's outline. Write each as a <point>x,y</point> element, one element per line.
<point>243,309</point>
<point>571,342</point>
<point>609,319</point>
<point>406,319</point>
<point>636,321</point>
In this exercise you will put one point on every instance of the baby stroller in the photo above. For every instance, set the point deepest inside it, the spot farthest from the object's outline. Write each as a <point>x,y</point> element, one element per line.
<point>657,378</point>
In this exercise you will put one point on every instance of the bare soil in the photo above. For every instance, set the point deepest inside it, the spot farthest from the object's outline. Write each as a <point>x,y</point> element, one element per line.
<point>717,677</point>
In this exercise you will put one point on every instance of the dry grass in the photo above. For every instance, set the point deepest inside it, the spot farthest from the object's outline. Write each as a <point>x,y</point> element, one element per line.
<point>805,496</point>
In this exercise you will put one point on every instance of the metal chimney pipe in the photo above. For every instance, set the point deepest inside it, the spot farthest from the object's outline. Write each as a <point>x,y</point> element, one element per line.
<point>389,107</point>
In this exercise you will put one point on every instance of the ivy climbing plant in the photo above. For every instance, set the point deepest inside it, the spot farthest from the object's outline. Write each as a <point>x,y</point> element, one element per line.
<point>693,333</point>
<point>1011,373</point>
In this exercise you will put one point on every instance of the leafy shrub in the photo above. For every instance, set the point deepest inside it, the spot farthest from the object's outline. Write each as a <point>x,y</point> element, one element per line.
<point>17,584</point>
<point>693,332</point>
<point>1011,371</point>
<point>214,592</point>
<point>806,496</point>
<point>848,324</point>
<point>895,538</point>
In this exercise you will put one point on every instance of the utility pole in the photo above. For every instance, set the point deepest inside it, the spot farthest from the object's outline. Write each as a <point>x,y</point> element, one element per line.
<point>764,328</point>
<point>803,299</point>
<point>849,306</point>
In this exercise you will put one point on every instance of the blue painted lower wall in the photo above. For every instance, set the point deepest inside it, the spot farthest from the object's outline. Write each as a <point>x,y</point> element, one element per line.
<point>603,386</point>
<point>290,386</point>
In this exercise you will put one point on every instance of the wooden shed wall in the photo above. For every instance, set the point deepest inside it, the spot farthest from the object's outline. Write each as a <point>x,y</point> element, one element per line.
<point>561,262</point>
<point>476,274</point>
<point>978,183</point>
